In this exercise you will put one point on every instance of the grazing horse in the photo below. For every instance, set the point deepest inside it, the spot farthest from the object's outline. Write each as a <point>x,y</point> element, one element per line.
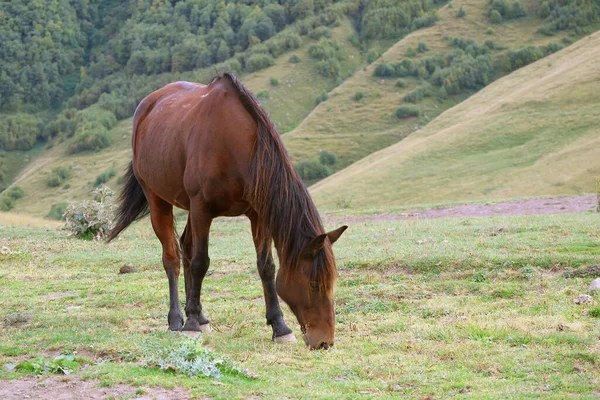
<point>212,150</point>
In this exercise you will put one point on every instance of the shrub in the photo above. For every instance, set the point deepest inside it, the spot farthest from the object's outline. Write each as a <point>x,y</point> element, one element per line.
<point>258,61</point>
<point>321,31</point>
<point>358,96</point>
<point>407,112</point>
<point>294,59</point>
<point>495,17</point>
<point>7,203</point>
<point>90,141</point>
<point>324,49</point>
<point>410,52</point>
<point>321,98</point>
<point>417,94</point>
<point>327,158</point>
<point>461,13</point>
<point>58,176</point>
<point>384,70</point>
<point>401,84</point>
<point>57,211</point>
<point>422,47</point>
<point>15,193</point>
<point>329,68</point>
<point>91,219</point>
<point>372,56</point>
<point>313,169</point>
<point>516,59</point>
<point>274,82</point>
<point>263,95</point>
<point>105,177</point>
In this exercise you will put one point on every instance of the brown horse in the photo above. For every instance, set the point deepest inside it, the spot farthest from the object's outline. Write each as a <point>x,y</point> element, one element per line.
<point>212,150</point>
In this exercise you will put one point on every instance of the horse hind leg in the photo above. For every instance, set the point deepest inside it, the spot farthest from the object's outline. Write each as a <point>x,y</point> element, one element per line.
<point>161,215</point>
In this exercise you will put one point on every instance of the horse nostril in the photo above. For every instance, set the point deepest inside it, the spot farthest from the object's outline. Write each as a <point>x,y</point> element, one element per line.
<point>324,345</point>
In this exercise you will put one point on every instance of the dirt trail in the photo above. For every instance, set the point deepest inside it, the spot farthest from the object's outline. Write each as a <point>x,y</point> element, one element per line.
<point>548,205</point>
<point>72,388</point>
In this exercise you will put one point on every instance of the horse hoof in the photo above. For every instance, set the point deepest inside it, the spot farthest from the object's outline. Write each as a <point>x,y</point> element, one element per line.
<point>205,328</point>
<point>289,338</point>
<point>192,334</point>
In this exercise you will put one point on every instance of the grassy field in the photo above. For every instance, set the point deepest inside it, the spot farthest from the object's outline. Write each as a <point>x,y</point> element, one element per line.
<point>532,133</point>
<point>465,308</point>
<point>354,129</point>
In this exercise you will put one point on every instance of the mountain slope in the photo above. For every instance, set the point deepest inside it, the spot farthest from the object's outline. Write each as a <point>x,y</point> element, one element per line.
<point>533,132</point>
<point>353,129</point>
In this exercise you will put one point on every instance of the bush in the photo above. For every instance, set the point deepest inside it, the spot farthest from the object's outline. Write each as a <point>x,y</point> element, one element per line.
<point>327,158</point>
<point>372,56</point>
<point>384,70</point>
<point>422,47</point>
<point>105,177</point>
<point>321,31</point>
<point>91,219</point>
<point>259,61</point>
<point>417,94</point>
<point>7,203</point>
<point>461,13</point>
<point>263,95</point>
<point>495,17</point>
<point>407,112</point>
<point>358,96</point>
<point>58,176</point>
<point>321,98</point>
<point>313,169</point>
<point>324,49</point>
<point>410,52</point>
<point>329,68</point>
<point>516,59</point>
<point>57,211</point>
<point>294,59</point>
<point>274,82</point>
<point>90,141</point>
<point>401,84</point>
<point>15,193</point>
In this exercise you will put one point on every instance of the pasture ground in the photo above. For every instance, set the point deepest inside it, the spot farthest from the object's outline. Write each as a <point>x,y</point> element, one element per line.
<point>467,307</point>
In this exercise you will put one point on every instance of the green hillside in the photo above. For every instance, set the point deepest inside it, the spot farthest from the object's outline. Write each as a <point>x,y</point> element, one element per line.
<point>534,132</point>
<point>359,116</point>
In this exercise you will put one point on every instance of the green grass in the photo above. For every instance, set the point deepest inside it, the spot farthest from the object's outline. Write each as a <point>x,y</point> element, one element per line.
<point>531,133</point>
<point>443,308</point>
<point>353,130</point>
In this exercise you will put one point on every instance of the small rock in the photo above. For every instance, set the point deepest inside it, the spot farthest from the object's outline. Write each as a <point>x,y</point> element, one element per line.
<point>582,299</point>
<point>595,284</point>
<point>4,250</point>
<point>127,269</point>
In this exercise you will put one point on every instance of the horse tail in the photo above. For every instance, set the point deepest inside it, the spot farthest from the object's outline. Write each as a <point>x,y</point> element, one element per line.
<point>133,204</point>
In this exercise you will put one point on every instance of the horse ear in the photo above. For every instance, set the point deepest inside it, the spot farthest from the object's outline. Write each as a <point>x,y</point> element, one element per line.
<point>335,235</point>
<point>313,247</point>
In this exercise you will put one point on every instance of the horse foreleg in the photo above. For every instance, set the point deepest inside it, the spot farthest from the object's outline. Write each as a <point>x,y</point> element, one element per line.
<point>161,215</point>
<point>200,226</point>
<point>266,270</point>
<point>186,246</point>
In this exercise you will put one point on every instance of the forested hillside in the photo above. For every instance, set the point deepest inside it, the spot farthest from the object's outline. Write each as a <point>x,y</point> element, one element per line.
<point>61,57</point>
<point>373,71</point>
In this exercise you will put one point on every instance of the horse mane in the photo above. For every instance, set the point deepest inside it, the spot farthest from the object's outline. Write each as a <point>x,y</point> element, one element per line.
<point>286,212</point>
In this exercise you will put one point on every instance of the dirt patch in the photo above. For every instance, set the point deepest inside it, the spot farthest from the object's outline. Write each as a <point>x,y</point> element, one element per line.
<point>69,387</point>
<point>548,205</point>
<point>58,295</point>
